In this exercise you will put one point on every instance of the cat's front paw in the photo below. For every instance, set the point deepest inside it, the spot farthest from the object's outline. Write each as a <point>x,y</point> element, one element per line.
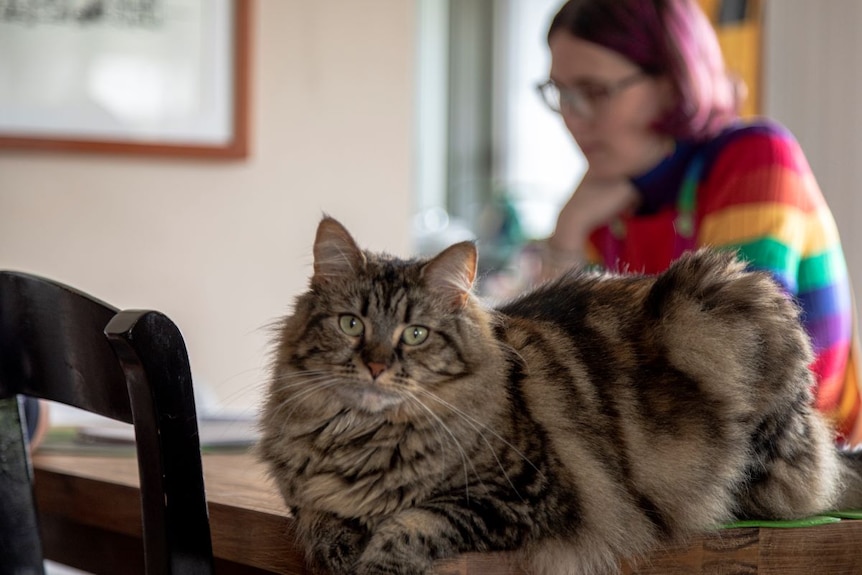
<point>389,559</point>
<point>335,546</point>
<point>332,560</point>
<point>408,544</point>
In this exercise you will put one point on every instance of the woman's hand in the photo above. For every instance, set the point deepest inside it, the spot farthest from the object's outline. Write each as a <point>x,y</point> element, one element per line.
<point>594,203</point>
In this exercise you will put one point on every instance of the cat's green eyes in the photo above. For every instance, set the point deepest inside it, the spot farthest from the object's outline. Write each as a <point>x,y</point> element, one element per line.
<point>414,335</point>
<point>351,325</point>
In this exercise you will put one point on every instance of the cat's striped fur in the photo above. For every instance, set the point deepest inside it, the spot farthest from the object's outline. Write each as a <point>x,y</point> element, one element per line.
<point>584,423</point>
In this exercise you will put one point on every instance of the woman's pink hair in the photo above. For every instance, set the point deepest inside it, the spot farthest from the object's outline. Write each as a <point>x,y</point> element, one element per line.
<point>670,38</point>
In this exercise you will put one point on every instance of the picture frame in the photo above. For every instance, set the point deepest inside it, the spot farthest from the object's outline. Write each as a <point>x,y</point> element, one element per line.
<point>148,77</point>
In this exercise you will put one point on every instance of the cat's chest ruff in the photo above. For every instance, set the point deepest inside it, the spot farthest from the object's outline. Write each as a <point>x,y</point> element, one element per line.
<point>352,469</point>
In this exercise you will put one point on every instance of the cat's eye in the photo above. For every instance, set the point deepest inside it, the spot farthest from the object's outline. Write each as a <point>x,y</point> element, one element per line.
<point>414,335</point>
<point>351,325</point>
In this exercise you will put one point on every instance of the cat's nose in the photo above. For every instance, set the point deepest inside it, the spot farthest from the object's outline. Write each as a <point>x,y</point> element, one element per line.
<point>376,368</point>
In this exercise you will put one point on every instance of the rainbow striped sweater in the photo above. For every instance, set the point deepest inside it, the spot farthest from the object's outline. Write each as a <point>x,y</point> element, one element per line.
<point>751,189</point>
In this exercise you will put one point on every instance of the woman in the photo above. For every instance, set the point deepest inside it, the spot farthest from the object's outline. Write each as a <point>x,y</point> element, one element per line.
<point>642,88</point>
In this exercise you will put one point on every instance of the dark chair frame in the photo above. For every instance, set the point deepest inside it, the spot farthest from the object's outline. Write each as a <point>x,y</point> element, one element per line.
<point>60,344</point>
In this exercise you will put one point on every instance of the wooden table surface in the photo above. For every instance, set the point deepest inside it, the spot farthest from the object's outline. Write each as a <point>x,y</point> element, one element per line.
<point>90,517</point>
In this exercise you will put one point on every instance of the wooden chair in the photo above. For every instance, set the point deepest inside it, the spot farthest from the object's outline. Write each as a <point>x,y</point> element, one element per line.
<point>60,344</point>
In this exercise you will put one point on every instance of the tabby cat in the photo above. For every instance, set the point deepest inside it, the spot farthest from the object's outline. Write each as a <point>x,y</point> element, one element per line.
<point>581,424</point>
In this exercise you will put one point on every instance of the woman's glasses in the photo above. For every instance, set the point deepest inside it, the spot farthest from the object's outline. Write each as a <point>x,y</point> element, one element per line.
<point>586,98</point>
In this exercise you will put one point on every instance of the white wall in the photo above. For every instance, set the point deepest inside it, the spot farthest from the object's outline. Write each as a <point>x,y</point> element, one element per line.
<point>223,247</point>
<point>813,85</point>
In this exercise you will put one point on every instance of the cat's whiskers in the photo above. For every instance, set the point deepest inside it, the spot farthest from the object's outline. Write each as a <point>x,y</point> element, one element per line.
<point>287,418</point>
<point>317,384</point>
<point>431,425</point>
<point>300,379</point>
<point>510,350</point>
<point>478,426</point>
<point>464,458</point>
<point>306,379</point>
<point>313,384</point>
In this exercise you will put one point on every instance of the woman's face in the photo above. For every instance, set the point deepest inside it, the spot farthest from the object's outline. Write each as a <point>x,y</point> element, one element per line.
<point>616,139</point>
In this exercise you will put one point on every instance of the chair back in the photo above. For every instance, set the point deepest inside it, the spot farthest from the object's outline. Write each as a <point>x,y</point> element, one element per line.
<point>60,344</point>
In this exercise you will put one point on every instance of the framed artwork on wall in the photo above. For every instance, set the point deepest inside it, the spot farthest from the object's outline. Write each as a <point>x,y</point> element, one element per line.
<point>164,77</point>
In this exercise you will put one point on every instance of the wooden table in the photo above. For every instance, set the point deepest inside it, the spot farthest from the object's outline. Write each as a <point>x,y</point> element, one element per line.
<point>90,511</point>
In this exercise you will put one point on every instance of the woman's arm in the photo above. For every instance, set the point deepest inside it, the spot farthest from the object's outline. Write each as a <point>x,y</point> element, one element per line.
<point>594,203</point>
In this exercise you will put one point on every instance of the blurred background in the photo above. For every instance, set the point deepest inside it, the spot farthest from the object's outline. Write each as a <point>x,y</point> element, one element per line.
<point>414,122</point>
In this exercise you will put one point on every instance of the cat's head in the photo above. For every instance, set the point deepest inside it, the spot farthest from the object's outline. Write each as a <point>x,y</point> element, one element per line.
<point>378,334</point>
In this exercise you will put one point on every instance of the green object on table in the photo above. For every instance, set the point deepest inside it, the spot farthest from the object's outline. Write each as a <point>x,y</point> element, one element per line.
<point>812,521</point>
<point>849,514</point>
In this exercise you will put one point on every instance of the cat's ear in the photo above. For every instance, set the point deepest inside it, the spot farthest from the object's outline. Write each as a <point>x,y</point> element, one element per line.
<point>452,272</point>
<point>336,254</point>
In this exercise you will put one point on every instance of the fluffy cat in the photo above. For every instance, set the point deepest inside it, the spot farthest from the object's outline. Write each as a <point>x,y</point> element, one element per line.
<point>581,424</point>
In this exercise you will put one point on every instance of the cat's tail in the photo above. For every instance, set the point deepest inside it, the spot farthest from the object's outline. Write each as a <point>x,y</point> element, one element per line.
<point>722,283</point>
<point>851,496</point>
